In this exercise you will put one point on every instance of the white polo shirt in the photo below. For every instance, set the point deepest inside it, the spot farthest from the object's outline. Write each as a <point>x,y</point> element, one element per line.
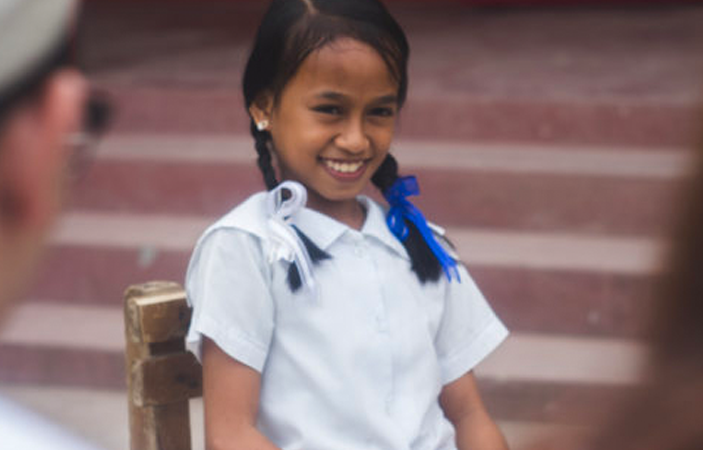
<point>361,365</point>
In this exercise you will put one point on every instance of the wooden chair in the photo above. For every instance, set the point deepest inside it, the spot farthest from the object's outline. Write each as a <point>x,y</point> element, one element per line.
<point>161,375</point>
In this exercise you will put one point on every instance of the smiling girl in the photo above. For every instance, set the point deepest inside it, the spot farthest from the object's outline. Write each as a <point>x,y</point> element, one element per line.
<point>322,319</point>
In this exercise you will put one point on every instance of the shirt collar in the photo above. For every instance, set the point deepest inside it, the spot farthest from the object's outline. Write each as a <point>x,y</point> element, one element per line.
<point>324,230</point>
<point>376,227</point>
<point>320,228</point>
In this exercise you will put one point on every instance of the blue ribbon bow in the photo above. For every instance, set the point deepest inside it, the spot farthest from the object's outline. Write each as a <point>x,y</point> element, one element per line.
<point>402,209</point>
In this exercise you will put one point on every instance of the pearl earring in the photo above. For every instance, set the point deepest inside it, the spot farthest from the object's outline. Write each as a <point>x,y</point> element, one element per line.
<point>262,125</point>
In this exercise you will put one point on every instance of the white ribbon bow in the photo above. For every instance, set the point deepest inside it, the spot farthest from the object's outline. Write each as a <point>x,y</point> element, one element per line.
<point>281,204</point>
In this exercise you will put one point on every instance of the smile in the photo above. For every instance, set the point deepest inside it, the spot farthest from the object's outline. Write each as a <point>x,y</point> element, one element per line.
<point>343,167</point>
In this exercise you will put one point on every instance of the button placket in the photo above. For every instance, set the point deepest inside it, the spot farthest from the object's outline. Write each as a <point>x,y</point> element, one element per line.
<point>383,327</point>
<point>389,403</point>
<point>358,251</point>
<point>357,243</point>
<point>379,316</point>
<point>381,322</point>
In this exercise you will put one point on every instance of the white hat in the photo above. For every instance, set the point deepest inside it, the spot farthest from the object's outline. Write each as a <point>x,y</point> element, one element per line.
<point>29,31</point>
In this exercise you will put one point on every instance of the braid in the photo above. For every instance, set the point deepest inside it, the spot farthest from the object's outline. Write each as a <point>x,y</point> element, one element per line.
<point>261,139</point>
<point>264,161</point>
<point>386,174</point>
<point>424,262</point>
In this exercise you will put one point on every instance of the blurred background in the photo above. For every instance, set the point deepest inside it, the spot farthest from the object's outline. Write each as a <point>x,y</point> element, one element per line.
<point>550,139</point>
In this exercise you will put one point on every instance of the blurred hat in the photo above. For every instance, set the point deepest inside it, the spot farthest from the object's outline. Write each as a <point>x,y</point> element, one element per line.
<point>29,31</point>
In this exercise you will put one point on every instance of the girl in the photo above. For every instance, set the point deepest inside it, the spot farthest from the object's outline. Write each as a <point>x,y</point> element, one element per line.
<point>321,320</point>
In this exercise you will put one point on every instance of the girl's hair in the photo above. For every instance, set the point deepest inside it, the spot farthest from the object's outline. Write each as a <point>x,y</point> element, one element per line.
<point>289,32</point>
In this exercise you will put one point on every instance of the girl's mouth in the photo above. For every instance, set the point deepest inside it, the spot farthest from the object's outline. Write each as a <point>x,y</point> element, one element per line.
<point>344,169</point>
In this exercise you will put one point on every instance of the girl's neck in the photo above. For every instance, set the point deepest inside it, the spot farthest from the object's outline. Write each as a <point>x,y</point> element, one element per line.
<point>349,212</point>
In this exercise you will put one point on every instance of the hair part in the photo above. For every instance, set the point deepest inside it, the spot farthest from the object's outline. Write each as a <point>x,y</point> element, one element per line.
<point>311,6</point>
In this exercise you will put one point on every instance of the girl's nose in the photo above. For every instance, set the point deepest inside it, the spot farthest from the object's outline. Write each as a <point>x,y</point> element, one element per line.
<point>353,139</point>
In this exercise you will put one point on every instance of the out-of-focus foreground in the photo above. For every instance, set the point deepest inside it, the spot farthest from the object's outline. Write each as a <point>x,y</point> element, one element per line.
<point>550,143</point>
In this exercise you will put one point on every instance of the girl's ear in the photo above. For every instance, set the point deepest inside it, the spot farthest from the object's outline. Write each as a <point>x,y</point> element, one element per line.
<point>261,108</point>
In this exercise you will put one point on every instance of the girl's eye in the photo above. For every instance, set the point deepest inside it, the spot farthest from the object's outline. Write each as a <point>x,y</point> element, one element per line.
<point>383,112</point>
<point>328,109</point>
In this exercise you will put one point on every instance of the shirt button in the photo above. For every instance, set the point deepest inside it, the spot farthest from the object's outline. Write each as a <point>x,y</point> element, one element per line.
<point>358,251</point>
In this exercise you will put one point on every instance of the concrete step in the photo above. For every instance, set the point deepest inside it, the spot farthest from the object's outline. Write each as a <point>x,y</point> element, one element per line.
<point>531,378</point>
<point>558,283</point>
<point>505,186</point>
<point>578,75</point>
<point>102,417</point>
<point>451,116</point>
<point>544,300</point>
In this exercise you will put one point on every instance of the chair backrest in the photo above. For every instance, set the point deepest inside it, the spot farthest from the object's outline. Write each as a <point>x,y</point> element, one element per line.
<point>161,375</point>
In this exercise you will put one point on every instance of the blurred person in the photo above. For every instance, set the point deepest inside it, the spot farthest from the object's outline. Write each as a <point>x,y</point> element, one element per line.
<point>44,102</point>
<point>664,413</point>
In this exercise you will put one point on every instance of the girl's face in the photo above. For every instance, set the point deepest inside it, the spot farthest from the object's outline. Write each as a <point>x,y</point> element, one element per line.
<point>333,123</point>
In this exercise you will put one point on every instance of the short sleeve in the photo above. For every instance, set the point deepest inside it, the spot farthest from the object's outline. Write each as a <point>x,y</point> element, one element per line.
<point>227,287</point>
<point>469,329</point>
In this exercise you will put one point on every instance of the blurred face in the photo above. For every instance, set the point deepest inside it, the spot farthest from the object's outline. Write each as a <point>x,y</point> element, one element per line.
<point>333,123</point>
<point>34,152</point>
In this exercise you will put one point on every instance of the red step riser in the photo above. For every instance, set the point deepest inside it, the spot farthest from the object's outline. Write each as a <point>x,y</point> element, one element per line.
<point>535,202</point>
<point>566,404</point>
<point>576,303</point>
<point>556,403</point>
<point>570,303</point>
<point>221,111</point>
<point>82,368</point>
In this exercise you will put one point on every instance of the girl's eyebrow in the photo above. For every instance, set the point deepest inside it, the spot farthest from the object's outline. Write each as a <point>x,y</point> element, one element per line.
<point>331,95</point>
<point>391,98</point>
<point>337,96</point>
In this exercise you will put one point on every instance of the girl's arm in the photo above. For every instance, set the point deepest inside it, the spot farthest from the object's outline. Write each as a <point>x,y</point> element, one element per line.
<point>463,406</point>
<point>231,402</point>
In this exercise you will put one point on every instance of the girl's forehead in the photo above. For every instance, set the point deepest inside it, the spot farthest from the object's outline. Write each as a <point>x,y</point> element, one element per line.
<point>345,62</point>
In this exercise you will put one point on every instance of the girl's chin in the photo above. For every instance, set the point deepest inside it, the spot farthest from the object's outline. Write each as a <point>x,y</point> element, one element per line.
<point>332,198</point>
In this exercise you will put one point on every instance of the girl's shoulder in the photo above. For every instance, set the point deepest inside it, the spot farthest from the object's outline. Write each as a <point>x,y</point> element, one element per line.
<point>248,217</point>
<point>234,243</point>
<point>440,234</point>
<point>242,231</point>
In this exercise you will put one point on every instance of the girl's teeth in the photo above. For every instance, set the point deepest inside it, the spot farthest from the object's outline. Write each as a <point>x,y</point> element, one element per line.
<point>343,167</point>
